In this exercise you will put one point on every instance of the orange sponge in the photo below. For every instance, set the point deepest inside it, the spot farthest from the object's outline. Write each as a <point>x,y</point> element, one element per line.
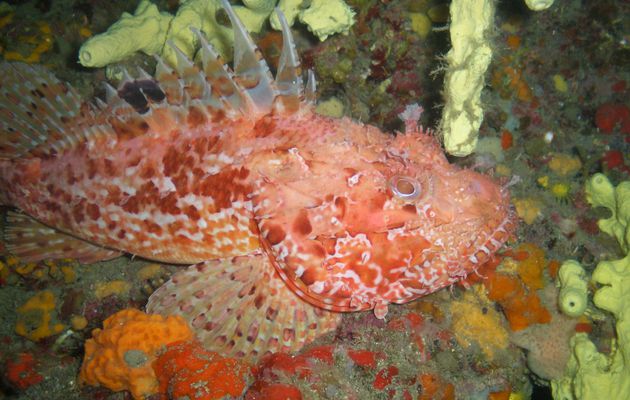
<point>120,355</point>
<point>521,306</point>
<point>531,267</point>
<point>187,370</point>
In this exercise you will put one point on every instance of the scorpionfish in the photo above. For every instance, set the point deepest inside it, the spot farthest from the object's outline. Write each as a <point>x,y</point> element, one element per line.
<point>286,217</point>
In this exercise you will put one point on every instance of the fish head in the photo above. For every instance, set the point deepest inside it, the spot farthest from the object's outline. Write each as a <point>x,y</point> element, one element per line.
<point>384,222</point>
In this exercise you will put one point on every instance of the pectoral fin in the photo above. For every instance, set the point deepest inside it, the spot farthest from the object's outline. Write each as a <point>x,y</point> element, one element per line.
<point>241,307</point>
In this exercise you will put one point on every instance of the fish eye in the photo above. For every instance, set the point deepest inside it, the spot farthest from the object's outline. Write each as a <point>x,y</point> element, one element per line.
<point>404,187</point>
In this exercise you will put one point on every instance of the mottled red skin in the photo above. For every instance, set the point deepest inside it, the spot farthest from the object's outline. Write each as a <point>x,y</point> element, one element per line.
<point>129,193</point>
<point>345,243</point>
<point>312,191</point>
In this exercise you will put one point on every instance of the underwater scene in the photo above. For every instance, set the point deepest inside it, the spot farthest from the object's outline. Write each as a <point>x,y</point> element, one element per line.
<point>315,199</point>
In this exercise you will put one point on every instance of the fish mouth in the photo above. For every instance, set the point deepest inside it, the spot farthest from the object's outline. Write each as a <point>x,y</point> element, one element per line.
<point>497,237</point>
<point>469,258</point>
<point>468,261</point>
<point>493,237</point>
<point>462,256</point>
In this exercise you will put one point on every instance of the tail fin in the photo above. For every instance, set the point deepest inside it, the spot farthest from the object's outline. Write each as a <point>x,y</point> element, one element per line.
<point>33,241</point>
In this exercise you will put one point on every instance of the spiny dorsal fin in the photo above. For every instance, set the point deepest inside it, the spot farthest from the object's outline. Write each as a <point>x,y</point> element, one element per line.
<point>33,241</point>
<point>310,94</point>
<point>289,75</point>
<point>36,110</point>
<point>219,75</point>
<point>250,69</point>
<point>39,115</point>
<point>169,82</point>
<point>213,88</point>
<point>194,81</point>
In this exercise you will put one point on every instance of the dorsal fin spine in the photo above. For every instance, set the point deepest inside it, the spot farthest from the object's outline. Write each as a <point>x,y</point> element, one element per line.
<point>126,78</point>
<point>169,83</point>
<point>250,69</point>
<point>100,104</point>
<point>183,62</point>
<point>288,77</point>
<point>142,74</point>
<point>111,94</point>
<point>310,94</point>
<point>221,85</point>
<point>195,84</point>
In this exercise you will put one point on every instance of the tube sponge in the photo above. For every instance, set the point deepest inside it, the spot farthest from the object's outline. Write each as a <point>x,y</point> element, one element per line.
<point>538,5</point>
<point>601,193</point>
<point>468,60</point>
<point>144,31</point>
<point>573,297</point>
<point>590,374</point>
<point>148,30</point>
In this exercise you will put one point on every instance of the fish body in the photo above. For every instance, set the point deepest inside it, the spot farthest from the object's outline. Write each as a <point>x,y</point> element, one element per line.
<point>289,216</point>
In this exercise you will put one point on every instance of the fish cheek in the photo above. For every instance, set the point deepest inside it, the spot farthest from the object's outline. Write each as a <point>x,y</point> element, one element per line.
<point>301,223</point>
<point>318,250</point>
<point>311,275</point>
<point>275,234</point>
<point>410,208</point>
